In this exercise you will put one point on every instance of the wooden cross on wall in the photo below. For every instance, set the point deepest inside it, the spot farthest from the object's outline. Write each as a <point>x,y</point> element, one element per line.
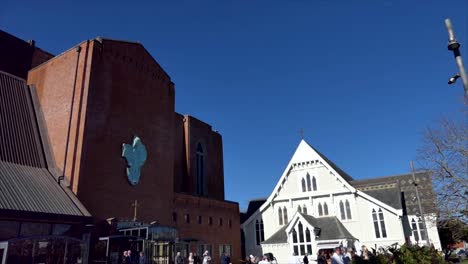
<point>135,208</point>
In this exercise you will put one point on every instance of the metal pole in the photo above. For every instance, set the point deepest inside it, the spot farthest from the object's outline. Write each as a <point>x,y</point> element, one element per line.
<point>419,202</point>
<point>454,46</point>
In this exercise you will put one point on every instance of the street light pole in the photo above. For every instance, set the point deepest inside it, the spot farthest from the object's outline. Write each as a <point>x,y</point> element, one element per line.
<point>419,203</point>
<point>454,46</point>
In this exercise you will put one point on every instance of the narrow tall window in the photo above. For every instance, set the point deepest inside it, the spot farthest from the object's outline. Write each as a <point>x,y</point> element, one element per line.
<point>285,212</point>
<point>382,223</point>
<point>299,209</point>
<point>301,233</point>
<point>257,232</point>
<point>280,216</point>
<point>342,211</point>
<point>415,230</point>
<point>325,208</point>
<point>262,233</point>
<point>422,231</point>
<point>320,210</point>
<point>304,209</point>
<point>200,167</point>
<point>314,183</point>
<point>376,223</point>
<point>307,235</point>
<point>348,210</point>
<point>308,183</point>
<point>294,234</point>
<point>303,185</point>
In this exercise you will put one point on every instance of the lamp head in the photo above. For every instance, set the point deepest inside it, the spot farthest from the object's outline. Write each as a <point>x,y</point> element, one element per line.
<point>453,79</point>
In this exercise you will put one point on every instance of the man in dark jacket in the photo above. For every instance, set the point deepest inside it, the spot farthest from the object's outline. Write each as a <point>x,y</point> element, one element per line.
<point>225,259</point>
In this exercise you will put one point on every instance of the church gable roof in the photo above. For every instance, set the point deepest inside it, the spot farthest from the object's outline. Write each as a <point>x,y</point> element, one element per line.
<point>303,154</point>
<point>327,228</point>
<point>330,227</point>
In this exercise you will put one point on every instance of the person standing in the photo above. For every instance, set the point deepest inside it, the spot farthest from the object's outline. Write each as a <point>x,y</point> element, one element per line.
<point>124,258</point>
<point>206,258</point>
<point>348,257</point>
<point>196,258</point>
<point>179,259</point>
<point>337,258</point>
<point>225,259</point>
<point>321,259</point>
<point>142,258</point>
<point>191,259</point>
<point>305,259</point>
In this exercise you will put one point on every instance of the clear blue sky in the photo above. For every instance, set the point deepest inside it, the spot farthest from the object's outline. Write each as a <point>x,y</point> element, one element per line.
<point>362,78</point>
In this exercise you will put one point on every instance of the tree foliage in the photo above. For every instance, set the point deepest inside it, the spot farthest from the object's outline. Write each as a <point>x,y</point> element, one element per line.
<point>445,154</point>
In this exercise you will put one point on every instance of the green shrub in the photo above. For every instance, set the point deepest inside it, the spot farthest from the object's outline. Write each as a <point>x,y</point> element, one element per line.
<point>406,254</point>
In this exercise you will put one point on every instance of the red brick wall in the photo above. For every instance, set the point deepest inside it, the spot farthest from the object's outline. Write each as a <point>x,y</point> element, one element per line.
<point>120,92</point>
<point>129,95</point>
<point>209,234</point>
<point>55,81</point>
<point>197,131</point>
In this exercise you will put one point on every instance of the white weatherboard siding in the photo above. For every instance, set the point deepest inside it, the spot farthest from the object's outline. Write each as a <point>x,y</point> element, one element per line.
<point>331,189</point>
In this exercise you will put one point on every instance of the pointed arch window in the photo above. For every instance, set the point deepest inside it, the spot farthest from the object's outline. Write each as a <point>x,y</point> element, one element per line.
<point>348,210</point>
<point>280,216</point>
<point>307,233</point>
<point>325,209</point>
<point>301,232</point>
<point>379,223</point>
<point>259,234</point>
<point>299,209</point>
<point>304,209</point>
<point>309,188</point>
<point>320,210</point>
<point>303,185</point>
<point>301,239</point>
<point>314,183</point>
<point>342,211</point>
<point>200,169</point>
<point>285,214</point>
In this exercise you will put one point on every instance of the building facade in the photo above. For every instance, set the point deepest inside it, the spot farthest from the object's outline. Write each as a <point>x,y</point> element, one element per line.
<point>119,147</point>
<point>316,205</point>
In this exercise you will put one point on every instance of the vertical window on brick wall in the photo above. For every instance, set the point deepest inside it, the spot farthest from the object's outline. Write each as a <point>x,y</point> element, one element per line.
<point>200,219</point>
<point>187,218</point>
<point>220,222</point>
<point>210,221</point>
<point>200,169</point>
<point>230,223</point>
<point>174,217</point>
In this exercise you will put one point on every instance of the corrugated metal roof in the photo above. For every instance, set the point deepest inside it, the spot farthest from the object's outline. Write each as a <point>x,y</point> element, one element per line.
<point>32,189</point>
<point>26,184</point>
<point>19,137</point>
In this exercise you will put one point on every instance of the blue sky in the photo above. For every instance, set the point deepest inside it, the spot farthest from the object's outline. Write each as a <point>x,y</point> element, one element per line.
<point>362,78</point>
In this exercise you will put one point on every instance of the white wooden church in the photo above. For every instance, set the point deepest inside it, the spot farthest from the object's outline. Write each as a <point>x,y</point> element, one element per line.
<point>316,205</point>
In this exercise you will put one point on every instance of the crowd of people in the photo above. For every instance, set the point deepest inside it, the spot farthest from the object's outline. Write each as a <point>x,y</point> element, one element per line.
<point>129,258</point>
<point>338,256</point>
<point>193,258</point>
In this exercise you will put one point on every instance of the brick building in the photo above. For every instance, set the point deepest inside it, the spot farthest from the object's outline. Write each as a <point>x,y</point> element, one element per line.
<point>102,94</point>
